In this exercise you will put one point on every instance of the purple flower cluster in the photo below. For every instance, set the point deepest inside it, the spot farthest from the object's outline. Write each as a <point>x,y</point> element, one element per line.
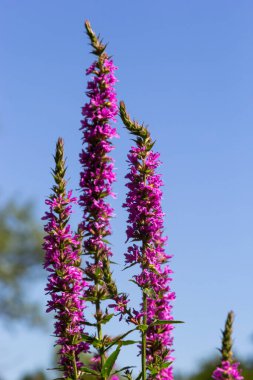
<point>97,173</point>
<point>145,224</point>
<point>227,370</point>
<point>65,281</point>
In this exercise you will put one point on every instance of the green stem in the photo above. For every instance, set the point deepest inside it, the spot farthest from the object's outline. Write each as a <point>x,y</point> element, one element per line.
<point>144,338</point>
<point>75,367</point>
<point>100,337</point>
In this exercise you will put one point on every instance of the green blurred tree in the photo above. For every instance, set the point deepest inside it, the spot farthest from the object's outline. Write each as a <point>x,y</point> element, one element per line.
<point>36,376</point>
<point>20,261</point>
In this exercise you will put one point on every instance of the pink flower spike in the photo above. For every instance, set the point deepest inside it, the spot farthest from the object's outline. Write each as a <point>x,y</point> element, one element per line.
<point>65,281</point>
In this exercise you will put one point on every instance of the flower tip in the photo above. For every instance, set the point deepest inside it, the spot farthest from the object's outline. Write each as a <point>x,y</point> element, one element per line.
<point>122,108</point>
<point>60,141</point>
<point>87,24</point>
<point>89,30</point>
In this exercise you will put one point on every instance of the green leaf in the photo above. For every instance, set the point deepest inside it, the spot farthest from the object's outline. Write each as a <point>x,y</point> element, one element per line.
<point>151,145</point>
<point>114,262</point>
<point>103,194</point>
<point>106,241</point>
<point>89,324</point>
<point>150,293</point>
<point>129,266</point>
<point>107,367</point>
<point>166,364</point>
<point>118,339</point>
<point>153,371</point>
<point>87,338</point>
<point>106,318</point>
<point>128,342</point>
<point>164,322</point>
<point>139,376</point>
<point>90,371</point>
<point>92,340</point>
<point>123,369</point>
<point>143,328</point>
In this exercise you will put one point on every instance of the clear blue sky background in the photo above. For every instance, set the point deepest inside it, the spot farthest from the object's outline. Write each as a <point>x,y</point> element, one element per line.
<point>185,68</point>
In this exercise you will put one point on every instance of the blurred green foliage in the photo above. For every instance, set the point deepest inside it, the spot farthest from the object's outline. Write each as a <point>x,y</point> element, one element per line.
<point>20,261</point>
<point>37,376</point>
<point>203,373</point>
<point>206,369</point>
<point>40,375</point>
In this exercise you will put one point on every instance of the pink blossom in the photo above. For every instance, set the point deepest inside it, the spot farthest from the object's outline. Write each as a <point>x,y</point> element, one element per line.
<point>65,281</point>
<point>145,224</point>
<point>227,370</point>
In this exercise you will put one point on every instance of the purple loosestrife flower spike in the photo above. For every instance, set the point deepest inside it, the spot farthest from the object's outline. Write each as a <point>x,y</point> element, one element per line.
<point>65,281</point>
<point>97,173</point>
<point>96,179</point>
<point>228,368</point>
<point>145,225</point>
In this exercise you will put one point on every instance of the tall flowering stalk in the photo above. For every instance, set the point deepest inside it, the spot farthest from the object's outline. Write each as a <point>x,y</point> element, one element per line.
<point>228,368</point>
<point>65,281</point>
<point>96,179</point>
<point>145,225</point>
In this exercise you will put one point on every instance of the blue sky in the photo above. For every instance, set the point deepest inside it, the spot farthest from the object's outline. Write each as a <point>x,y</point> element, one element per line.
<point>185,68</point>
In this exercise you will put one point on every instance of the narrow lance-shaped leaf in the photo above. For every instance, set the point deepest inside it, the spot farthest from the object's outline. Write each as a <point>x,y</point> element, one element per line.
<point>110,361</point>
